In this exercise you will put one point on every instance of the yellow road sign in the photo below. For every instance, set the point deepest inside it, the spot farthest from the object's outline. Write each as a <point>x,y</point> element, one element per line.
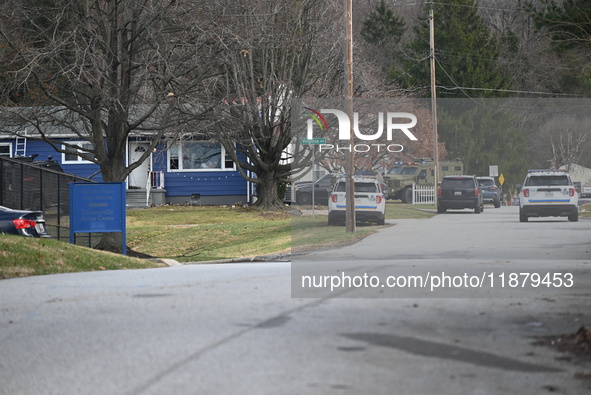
<point>501,179</point>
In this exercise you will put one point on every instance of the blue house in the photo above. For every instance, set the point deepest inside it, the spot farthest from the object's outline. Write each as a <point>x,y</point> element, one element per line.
<point>176,172</point>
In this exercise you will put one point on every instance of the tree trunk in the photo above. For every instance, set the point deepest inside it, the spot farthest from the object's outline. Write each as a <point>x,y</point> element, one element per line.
<point>268,192</point>
<point>110,242</point>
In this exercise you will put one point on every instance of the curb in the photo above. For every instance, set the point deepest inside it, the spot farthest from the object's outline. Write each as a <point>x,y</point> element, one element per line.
<point>257,258</point>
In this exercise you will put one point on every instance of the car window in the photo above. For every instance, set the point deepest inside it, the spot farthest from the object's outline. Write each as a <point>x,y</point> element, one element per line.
<point>409,170</point>
<point>359,187</point>
<point>458,183</point>
<point>486,182</point>
<point>547,180</point>
<point>395,170</point>
<point>366,187</point>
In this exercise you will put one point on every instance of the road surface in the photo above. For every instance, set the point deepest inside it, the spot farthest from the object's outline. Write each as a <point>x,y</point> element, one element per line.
<point>236,329</point>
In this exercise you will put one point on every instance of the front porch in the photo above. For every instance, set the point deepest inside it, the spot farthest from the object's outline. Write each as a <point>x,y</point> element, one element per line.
<point>153,195</point>
<point>140,198</point>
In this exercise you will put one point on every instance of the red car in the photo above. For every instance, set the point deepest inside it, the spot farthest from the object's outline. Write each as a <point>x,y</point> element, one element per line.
<point>22,222</point>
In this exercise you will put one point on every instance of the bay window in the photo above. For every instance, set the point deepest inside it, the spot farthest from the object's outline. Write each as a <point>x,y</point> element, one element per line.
<point>198,156</point>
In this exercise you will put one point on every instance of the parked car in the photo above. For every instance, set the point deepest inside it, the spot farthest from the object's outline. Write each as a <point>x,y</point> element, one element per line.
<point>459,192</point>
<point>491,193</point>
<point>321,190</point>
<point>548,193</point>
<point>370,201</point>
<point>22,222</point>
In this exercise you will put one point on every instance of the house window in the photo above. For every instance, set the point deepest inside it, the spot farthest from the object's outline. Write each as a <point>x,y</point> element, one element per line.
<point>71,155</point>
<point>6,149</point>
<point>198,156</point>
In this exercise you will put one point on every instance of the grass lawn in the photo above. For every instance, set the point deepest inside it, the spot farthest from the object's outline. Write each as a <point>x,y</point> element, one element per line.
<point>203,233</point>
<point>25,256</point>
<point>190,234</point>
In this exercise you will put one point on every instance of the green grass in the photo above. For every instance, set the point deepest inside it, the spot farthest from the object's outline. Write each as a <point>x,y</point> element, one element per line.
<point>397,210</point>
<point>309,234</point>
<point>190,234</point>
<point>25,256</point>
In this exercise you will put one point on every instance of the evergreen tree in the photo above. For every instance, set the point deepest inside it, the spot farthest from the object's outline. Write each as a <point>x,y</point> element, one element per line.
<point>466,52</point>
<point>382,25</point>
<point>568,26</point>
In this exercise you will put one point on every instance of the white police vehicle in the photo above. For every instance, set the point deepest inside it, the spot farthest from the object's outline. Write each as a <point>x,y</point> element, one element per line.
<point>548,193</point>
<point>370,202</point>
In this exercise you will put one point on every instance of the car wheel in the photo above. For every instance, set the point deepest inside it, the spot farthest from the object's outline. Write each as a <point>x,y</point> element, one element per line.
<point>497,203</point>
<point>477,209</point>
<point>382,221</point>
<point>406,195</point>
<point>441,209</point>
<point>305,199</point>
<point>573,217</point>
<point>522,217</point>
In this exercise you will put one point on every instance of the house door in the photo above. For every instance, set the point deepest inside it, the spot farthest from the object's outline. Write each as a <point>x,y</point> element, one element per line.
<point>139,176</point>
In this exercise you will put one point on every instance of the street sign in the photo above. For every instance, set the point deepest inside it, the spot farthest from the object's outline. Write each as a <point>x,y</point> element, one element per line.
<point>493,171</point>
<point>314,141</point>
<point>501,179</point>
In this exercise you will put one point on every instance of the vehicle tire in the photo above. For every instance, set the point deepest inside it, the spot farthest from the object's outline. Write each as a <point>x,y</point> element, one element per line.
<point>497,203</point>
<point>441,209</point>
<point>382,221</point>
<point>522,217</point>
<point>573,217</point>
<point>477,209</point>
<point>305,199</point>
<point>406,195</point>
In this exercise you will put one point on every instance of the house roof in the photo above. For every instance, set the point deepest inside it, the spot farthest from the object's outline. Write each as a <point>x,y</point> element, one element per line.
<point>61,122</point>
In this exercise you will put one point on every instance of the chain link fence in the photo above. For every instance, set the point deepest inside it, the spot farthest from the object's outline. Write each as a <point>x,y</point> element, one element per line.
<point>26,184</point>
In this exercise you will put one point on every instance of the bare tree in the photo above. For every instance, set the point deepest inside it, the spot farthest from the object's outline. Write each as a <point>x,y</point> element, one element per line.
<point>561,141</point>
<point>274,51</point>
<point>104,70</point>
<point>568,149</point>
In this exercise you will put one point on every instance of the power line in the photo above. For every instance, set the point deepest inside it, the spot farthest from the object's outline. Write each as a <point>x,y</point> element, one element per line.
<point>463,88</point>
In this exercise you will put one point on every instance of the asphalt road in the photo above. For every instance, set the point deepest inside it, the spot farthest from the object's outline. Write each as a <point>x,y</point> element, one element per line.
<point>236,329</point>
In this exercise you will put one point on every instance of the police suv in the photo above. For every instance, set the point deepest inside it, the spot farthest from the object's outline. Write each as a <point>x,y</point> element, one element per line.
<point>370,202</point>
<point>548,193</point>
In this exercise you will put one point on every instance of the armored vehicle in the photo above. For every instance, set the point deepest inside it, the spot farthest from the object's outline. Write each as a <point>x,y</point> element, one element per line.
<point>402,175</point>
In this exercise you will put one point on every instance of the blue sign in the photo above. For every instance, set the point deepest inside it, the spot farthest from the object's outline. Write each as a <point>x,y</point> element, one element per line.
<point>97,208</point>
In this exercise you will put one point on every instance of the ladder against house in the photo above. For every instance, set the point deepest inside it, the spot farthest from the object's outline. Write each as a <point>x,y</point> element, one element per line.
<point>20,148</point>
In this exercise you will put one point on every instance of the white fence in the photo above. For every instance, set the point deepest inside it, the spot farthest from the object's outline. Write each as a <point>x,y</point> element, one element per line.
<point>423,194</point>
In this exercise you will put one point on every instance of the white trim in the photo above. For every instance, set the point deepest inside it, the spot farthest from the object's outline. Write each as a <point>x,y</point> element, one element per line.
<point>201,170</point>
<point>79,159</point>
<point>9,149</point>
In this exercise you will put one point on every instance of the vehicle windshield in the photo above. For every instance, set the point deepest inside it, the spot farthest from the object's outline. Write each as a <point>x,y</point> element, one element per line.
<point>408,171</point>
<point>458,183</point>
<point>359,187</point>
<point>486,182</point>
<point>534,181</point>
<point>395,170</point>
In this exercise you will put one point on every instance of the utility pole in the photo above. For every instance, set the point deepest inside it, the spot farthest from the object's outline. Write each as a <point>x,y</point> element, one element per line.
<point>434,103</point>
<point>349,162</point>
